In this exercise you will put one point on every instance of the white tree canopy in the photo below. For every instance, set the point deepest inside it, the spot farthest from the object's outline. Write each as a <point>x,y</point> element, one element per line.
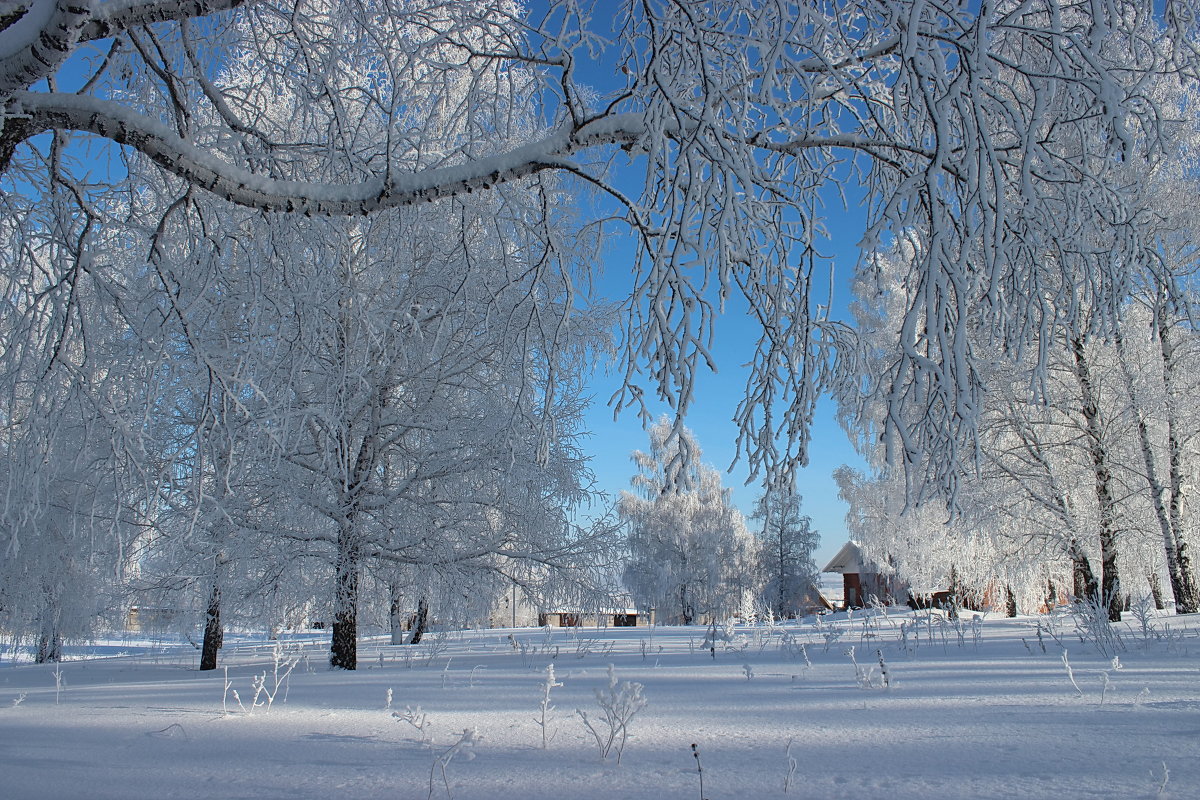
<point>690,553</point>
<point>960,119</point>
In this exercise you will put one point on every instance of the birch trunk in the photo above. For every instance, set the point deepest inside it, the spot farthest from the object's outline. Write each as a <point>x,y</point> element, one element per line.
<point>1110,579</point>
<point>1179,560</point>
<point>1168,519</point>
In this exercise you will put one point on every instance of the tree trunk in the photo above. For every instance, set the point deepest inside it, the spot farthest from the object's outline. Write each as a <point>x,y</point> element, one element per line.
<point>343,651</point>
<point>685,608</point>
<point>1156,590</point>
<point>1110,579</point>
<point>395,613</point>
<point>1010,602</point>
<point>1179,560</point>
<point>1178,569</point>
<point>214,635</point>
<point>954,591</point>
<point>1083,580</point>
<point>50,639</point>
<point>420,622</point>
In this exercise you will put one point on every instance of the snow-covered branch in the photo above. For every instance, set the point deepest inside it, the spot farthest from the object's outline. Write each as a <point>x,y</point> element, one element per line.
<point>207,170</point>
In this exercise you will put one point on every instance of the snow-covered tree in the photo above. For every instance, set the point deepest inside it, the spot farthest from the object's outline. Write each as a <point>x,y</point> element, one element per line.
<point>400,390</point>
<point>690,553</point>
<point>71,494</point>
<point>958,120</point>
<point>786,545</point>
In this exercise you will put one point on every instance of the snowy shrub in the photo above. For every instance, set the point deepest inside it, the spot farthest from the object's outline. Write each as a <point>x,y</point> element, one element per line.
<point>471,678</point>
<point>619,703</point>
<point>59,683</point>
<point>1144,613</point>
<point>793,648</point>
<point>265,689</point>
<point>863,677</point>
<point>1105,685</point>
<point>870,629</point>
<point>1161,783</point>
<point>1093,627</point>
<point>544,706</point>
<point>418,719</point>
<point>587,647</point>
<point>425,653</point>
<point>225,697</point>
<point>829,633</point>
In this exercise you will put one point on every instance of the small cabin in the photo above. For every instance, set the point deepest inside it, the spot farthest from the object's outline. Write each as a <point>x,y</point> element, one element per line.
<point>861,579</point>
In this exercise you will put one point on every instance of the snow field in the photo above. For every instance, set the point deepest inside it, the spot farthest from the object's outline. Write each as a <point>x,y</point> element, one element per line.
<point>984,714</point>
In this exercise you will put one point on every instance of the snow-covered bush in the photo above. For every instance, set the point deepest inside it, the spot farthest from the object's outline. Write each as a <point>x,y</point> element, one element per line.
<point>619,703</point>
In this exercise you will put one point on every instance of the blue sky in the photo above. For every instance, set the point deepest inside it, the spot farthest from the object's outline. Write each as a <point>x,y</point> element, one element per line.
<point>717,395</point>
<point>716,400</point>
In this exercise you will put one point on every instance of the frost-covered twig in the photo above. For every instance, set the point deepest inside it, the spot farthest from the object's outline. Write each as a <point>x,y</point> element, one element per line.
<point>545,706</point>
<point>281,671</point>
<point>58,682</point>
<point>791,761</point>
<point>468,738</point>
<point>861,676</point>
<point>1162,785</point>
<point>1093,626</point>
<point>1070,673</point>
<point>418,719</point>
<point>699,768</point>
<point>619,704</point>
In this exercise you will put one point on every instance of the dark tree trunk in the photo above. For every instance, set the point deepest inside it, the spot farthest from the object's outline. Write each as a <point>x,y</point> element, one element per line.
<point>49,647</point>
<point>214,635</point>
<point>1010,602</point>
<point>1110,586</point>
<point>343,651</point>
<point>1083,580</point>
<point>420,622</point>
<point>1110,579</point>
<point>50,640</point>
<point>1156,590</point>
<point>685,608</point>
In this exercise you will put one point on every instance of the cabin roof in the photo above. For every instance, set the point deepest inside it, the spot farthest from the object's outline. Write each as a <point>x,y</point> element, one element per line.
<point>847,561</point>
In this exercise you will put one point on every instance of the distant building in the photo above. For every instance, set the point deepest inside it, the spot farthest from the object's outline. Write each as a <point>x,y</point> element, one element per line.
<point>862,579</point>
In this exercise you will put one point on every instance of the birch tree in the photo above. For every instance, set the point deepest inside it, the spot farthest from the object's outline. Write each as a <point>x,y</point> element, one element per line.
<point>690,554</point>
<point>786,545</point>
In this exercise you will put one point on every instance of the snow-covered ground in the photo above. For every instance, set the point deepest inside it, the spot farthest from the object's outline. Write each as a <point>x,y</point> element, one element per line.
<point>974,711</point>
